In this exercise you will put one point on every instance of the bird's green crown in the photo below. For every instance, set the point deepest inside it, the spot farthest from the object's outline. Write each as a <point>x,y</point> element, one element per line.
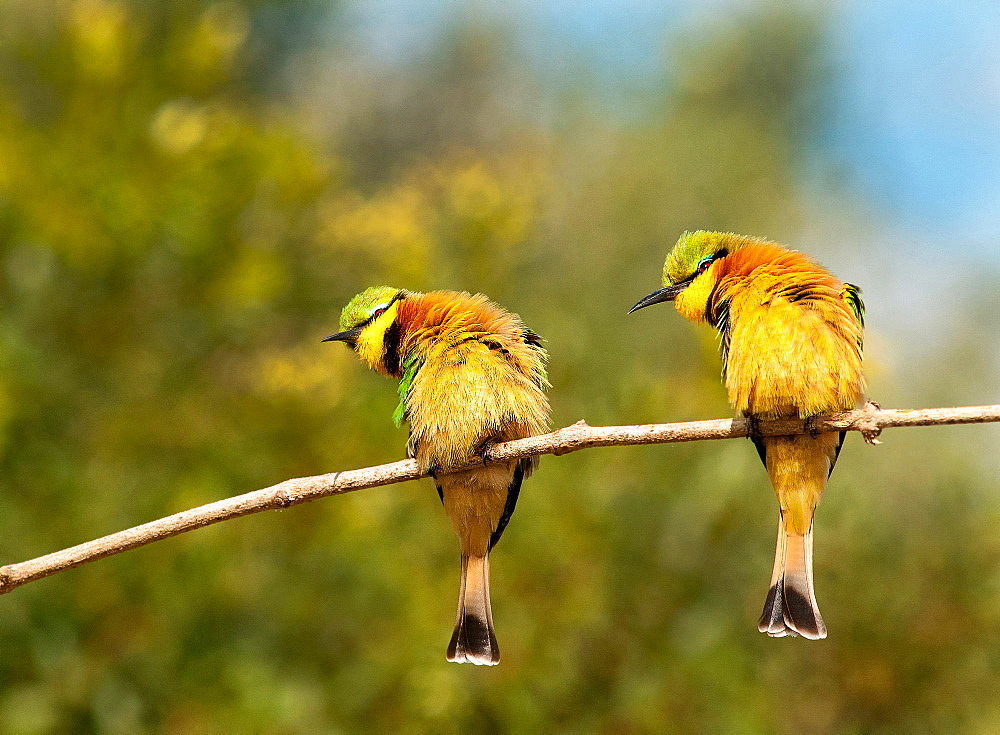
<point>693,248</point>
<point>363,306</point>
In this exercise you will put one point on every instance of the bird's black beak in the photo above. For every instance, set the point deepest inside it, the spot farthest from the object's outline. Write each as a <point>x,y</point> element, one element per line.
<point>349,336</point>
<point>667,293</point>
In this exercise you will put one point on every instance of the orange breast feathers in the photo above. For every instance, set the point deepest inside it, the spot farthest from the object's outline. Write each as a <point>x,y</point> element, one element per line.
<point>794,342</point>
<point>481,376</point>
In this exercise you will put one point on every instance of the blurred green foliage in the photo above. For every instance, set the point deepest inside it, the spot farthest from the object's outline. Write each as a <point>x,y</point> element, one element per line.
<point>180,225</point>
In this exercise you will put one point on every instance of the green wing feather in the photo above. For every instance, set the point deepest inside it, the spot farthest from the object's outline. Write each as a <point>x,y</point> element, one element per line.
<point>410,367</point>
<point>852,295</point>
<point>539,375</point>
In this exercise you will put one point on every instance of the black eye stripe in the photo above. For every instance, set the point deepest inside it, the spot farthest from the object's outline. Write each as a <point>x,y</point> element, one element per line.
<point>704,263</point>
<point>375,315</point>
<point>382,310</point>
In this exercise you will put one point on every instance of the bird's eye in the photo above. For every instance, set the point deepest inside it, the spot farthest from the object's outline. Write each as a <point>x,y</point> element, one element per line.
<point>704,263</point>
<point>378,312</point>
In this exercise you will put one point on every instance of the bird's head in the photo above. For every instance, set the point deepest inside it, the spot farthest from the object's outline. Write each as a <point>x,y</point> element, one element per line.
<point>688,275</point>
<point>365,321</point>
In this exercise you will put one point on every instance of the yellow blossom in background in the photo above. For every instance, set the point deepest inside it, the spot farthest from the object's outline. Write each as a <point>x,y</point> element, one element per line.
<point>101,36</point>
<point>215,42</point>
<point>179,125</point>
<point>304,371</point>
<point>395,227</point>
<point>440,219</point>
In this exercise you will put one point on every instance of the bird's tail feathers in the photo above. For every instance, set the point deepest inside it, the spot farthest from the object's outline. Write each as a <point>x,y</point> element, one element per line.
<point>791,608</point>
<point>474,641</point>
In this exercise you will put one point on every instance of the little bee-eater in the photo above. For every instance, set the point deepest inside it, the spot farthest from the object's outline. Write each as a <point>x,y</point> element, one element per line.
<point>791,338</point>
<point>470,375</point>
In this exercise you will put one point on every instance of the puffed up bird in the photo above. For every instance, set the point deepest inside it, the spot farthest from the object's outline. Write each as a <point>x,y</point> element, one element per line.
<point>470,375</point>
<point>791,338</point>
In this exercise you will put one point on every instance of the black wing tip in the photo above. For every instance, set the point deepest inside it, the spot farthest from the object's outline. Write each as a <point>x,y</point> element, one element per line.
<point>513,491</point>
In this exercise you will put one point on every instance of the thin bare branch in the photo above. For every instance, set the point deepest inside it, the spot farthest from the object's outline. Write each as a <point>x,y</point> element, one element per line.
<point>870,421</point>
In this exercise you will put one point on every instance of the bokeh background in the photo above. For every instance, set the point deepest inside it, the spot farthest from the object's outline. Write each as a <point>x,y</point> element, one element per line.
<point>191,190</point>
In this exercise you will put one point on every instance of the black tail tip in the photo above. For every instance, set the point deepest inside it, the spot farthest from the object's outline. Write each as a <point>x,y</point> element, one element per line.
<point>473,642</point>
<point>787,612</point>
<point>772,620</point>
<point>802,616</point>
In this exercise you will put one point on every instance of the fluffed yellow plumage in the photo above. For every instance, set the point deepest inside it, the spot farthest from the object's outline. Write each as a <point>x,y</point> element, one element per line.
<point>791,347</point>
<point>470,375</point>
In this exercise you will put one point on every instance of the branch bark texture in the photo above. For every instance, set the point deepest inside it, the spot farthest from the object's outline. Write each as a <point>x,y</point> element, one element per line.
<point>870,421</point>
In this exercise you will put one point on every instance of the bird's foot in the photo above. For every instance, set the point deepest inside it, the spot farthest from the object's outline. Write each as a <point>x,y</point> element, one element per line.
<point>810,426</point>
<point>483,451</point>
<point>868,426</point>
<point>753,427</point>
